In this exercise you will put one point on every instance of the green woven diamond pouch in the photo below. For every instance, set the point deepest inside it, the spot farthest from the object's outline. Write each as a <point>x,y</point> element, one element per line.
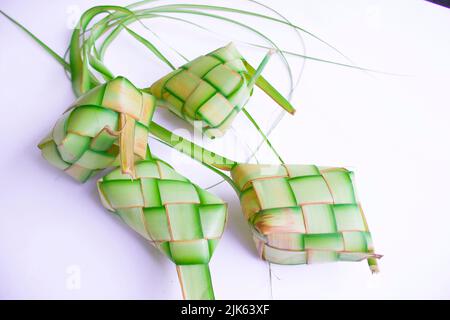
<point>303,214</point>
<point>184,221</point>
<point>212,89</point>
<point>106,126</point>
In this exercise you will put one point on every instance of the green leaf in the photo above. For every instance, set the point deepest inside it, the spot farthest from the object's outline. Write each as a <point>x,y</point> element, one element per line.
<point>59,59</point>
<point>151,47</point>
<point>264,85</point>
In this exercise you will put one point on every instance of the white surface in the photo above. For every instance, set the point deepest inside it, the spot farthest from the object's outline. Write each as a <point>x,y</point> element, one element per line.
<point>392,130</point>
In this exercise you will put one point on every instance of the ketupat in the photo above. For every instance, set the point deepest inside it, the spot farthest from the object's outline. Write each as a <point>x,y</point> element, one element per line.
<point>184,221</point>
<point>213,89</point>
<point>268,224</point>
<point>299,214</point>
<point>100,130</point>
<point>105,127</point>
<point>304,214</point>
<point>181,219</point>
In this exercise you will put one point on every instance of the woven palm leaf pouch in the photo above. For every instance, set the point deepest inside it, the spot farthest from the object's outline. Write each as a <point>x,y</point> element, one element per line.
<point>108,127</point>
<point>302,214</point>
<point>298,214</point>
<point>182,220</point>
<point>213,89</point>
<point>105,127</point>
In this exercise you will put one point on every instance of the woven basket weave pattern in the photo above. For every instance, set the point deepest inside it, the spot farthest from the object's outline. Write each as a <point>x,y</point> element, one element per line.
<point>303,213</point>
<point>85,139</point>
<point>211,88</point>
<point>181,219</point>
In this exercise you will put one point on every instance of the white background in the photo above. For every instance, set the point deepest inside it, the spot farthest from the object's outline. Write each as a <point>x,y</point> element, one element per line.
<point>393,130</point>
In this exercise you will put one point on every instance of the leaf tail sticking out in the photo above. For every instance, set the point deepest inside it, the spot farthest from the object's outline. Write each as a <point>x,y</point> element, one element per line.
<point>273,93</point>
<point>126,142</point>
<point>195,282</point>
<point>58,58</point>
